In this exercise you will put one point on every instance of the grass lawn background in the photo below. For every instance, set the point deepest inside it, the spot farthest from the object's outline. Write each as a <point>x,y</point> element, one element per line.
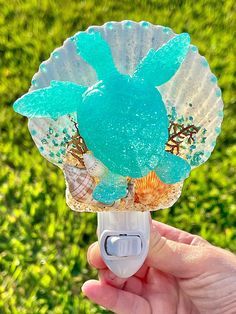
<point>43,244</point>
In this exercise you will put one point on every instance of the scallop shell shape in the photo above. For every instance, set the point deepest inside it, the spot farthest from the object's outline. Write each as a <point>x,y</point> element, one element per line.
<point>192,97</point>
<point>94,166</point>
<point>151,191</point>
<point>79,182</point>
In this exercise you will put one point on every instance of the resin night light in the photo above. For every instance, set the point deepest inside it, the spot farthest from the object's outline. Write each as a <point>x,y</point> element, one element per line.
<point>126,110</point>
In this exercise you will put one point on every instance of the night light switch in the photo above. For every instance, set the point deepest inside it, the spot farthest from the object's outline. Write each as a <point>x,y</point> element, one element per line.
<point>123,245</point>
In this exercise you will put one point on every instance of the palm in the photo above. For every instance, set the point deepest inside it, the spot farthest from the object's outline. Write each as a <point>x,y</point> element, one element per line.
<point>162,292</point>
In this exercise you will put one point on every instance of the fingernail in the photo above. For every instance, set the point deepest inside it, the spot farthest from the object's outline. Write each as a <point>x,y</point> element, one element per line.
<point>89,288</point>
<point>91,246</point>
<point>83,288</point>
<point>89,251</point>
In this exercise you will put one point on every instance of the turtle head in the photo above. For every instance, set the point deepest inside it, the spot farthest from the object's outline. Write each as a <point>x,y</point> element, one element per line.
<point>96,52</point>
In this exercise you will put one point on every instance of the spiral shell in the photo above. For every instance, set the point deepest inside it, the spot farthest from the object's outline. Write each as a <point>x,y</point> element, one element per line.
<point>94,166</point>
<point>151,191</point>
<point>79,183</point>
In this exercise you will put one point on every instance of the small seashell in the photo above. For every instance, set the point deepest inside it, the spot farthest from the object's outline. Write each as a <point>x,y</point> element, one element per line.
<point>79,182</point>
<point>150,190</point>
<point>94,166</point>
<point>69,159</point>
<point>129,199</point>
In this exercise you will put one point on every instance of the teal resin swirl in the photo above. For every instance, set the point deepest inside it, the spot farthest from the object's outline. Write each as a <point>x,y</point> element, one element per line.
<point>122,118</point>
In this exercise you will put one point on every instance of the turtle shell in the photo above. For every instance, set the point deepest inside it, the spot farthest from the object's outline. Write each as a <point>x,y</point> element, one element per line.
<point>124,123</point>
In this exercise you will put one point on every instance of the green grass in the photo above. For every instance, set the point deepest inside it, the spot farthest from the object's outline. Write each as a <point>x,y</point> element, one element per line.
<point>42,243</point>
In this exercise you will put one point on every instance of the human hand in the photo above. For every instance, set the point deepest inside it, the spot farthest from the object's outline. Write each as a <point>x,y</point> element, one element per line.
<point>183,273</point>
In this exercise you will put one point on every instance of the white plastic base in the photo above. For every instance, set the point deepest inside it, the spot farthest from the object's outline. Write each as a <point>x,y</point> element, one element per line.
<point>124,240</point>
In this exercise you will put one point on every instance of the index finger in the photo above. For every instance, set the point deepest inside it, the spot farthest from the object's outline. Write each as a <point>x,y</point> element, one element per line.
<point>177,235</point>
<point>94,256</point>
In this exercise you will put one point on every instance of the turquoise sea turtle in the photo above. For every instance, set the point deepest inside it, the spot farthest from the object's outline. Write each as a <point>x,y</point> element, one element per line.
<point>122,118</point>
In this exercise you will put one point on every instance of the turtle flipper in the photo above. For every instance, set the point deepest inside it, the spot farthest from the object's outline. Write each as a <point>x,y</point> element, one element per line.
<point>56,100</point>
<point>158,66</point>
<point>172,169</point>
<point>95,50</point>
<point>111,188</point>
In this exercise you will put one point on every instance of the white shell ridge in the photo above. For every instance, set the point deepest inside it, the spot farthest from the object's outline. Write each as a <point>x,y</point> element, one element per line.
<point>94,166</point>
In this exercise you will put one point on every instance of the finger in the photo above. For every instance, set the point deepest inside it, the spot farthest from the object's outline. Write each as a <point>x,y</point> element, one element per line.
<point>105,275</point>
<point>118,301</point>
<point>141,273</point>
<point>94,257</point>
<point>132,284</point>
<point>178,235</point>
<point>178,259</point>
<point>163,282</point>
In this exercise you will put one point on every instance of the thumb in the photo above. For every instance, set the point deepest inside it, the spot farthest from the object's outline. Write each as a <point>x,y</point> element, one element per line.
<point>178,259</point>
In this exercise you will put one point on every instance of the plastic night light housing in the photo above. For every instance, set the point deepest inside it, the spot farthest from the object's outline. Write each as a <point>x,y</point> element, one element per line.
<point>126,110</point>
<point>124,240</point>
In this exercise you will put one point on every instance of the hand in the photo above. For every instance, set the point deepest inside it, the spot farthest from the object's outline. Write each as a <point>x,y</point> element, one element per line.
<point>183,274</point>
